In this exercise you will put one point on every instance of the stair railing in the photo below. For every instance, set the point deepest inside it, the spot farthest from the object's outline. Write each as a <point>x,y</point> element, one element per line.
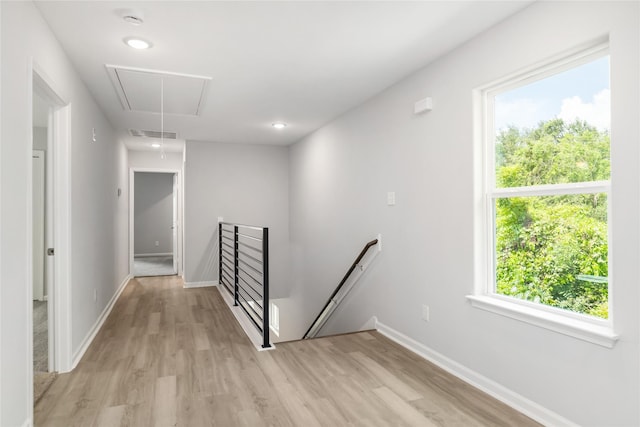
<point>243,266</point>
<point>335,298</point>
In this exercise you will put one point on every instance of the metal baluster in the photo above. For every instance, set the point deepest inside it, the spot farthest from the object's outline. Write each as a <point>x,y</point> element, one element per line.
<point>265,291</point>
<point>220,253</point>
<point>235,261</point>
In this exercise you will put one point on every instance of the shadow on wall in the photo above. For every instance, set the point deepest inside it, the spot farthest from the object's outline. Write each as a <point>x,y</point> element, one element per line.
<point>207,269</point>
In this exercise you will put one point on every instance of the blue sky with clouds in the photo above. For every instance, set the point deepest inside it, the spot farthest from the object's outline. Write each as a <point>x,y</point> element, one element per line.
<point>582,92</point>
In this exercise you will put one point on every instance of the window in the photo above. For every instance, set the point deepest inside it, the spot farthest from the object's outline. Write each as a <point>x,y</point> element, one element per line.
<point>546,192</point>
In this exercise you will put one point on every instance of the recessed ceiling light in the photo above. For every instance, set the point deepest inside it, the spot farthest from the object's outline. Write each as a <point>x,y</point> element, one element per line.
<point>279,125</point>
<point>137,43</point>
<point>155,145</point>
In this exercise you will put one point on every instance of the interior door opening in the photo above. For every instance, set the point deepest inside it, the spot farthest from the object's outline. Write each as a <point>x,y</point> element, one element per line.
<point>40,294</point>
<point>41,235</point>
<point>42,240</point>
<point>155,224</point>
<point>49,242</point>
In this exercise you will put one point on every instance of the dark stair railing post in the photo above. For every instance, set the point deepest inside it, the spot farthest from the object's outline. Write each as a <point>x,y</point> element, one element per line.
<point>235,257</point>
<point>265,281</point>
<point>220,252</point>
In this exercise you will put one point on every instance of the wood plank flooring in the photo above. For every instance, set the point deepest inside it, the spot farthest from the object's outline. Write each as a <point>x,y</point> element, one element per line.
<point>169,356</point>
<point>40,337</point>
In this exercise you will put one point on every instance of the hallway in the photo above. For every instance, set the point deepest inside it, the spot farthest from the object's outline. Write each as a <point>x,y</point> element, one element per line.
<point>173,356</point>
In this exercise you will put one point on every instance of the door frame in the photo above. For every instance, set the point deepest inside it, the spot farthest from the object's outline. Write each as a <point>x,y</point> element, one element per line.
<point>44,209</point>
<point>179,221</point>
<point>174,220</point>
<point>58,201</point>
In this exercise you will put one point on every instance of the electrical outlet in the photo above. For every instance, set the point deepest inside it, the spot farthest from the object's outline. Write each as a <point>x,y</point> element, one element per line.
<point>425,313</point>
<point>157,243</point>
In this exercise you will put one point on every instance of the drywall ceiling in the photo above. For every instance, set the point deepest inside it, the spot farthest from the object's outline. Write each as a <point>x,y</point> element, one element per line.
<point>300,62</point>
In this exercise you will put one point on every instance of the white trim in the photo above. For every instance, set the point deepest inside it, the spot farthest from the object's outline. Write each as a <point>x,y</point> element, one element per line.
<point>88,339</point>
<point>1,342</point>
<point>50,241</point>
<point>27,423</point>
<point>152,255</point>
<point>189,285</point>
<point>553,189</point>
<point>29,240</point>
<point>601,334</point>
<point>62,231</point>
<point>518,402</point>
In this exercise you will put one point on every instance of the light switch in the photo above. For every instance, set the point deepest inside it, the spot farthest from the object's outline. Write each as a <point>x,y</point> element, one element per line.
<point>391,198</point>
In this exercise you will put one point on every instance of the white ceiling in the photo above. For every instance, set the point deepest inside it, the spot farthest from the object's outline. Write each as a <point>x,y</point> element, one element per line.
<point>300,62</point>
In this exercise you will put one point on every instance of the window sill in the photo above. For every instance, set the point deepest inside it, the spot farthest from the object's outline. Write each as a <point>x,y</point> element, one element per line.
<point>581,329</point>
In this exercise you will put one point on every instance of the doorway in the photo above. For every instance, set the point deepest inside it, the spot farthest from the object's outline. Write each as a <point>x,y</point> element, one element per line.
<point>40,297</point>
<point>48,213</point>
<point>42,237</point>
<point>156,223</point>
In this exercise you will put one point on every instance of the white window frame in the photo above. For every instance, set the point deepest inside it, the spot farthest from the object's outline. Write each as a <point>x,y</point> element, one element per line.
<point>577,325</point>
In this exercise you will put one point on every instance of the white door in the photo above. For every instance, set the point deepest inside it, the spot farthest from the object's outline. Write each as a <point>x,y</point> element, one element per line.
<point>174,224</point>
<point>38,224</point>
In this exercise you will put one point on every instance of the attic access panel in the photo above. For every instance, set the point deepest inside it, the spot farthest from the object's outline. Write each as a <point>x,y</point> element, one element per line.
<point>140,90</point>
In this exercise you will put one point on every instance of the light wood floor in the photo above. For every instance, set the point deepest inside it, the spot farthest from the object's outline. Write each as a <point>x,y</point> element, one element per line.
<point>40,337</point>
<point>170,356</point>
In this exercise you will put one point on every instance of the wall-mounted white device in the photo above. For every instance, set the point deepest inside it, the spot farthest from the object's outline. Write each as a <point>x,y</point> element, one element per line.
<point>423,105</point>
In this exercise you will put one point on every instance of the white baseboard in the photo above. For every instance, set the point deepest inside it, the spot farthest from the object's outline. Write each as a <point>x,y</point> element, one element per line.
<point>188,285</point>
<point>88,339</point>
<point>152,255</point>
<point>369,324</point>
<point>27,423</point>
<point>492,388</point>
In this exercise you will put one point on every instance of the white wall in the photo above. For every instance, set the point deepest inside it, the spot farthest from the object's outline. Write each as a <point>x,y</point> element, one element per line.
<point>121,217</point>
<point>246,184</point>
<point>153,213</point>
<point>98,235</point>
<point>40,138</point>
<point>340,175</point>
<point>151,159</point>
